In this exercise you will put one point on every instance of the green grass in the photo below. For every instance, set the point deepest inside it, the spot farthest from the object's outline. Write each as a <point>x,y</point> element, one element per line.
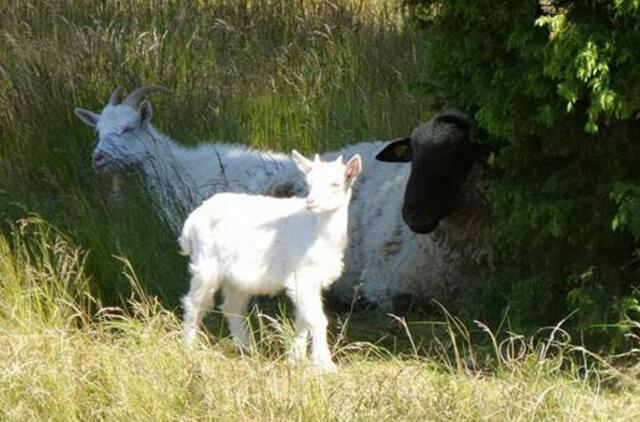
<point>65,356</point>
<point>314,75</point>
<point>89,289</point>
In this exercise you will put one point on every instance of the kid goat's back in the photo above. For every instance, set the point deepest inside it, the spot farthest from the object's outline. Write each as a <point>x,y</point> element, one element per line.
<point>248,245</point>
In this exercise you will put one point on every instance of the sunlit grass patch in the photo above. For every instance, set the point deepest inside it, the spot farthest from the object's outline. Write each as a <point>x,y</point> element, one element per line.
<point>66,356</point>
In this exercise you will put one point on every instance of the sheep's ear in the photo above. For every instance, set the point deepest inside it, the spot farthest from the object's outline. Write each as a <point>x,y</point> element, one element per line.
<point>305,165</point>
<point>87,117</point>
<point>354,167</point>
<point>146,112</point>
<point>396,151</point>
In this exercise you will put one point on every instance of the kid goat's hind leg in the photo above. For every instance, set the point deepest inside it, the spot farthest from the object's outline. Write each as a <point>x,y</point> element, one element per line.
<point>198,301</point>
<point>235,310</point>
<point>298,350</point>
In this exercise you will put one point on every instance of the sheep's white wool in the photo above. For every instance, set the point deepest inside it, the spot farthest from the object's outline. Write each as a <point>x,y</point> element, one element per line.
<point>249,245</point>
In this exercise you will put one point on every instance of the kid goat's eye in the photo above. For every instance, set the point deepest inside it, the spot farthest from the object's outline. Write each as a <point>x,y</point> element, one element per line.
<point>335,185</point>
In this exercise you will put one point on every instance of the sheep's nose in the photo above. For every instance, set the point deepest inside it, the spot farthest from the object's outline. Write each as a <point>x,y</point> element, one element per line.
<point>418,223</point>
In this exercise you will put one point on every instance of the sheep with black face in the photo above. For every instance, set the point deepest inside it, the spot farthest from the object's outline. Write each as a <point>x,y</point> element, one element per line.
<point>414,228</point>
<point>442,157</point>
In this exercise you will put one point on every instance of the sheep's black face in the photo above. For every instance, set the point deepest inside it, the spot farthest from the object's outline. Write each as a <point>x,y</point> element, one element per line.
<point>441,158</point>
<point>428,195</point>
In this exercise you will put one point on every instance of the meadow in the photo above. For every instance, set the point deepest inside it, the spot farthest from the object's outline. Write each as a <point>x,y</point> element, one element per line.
<point>89,289</point>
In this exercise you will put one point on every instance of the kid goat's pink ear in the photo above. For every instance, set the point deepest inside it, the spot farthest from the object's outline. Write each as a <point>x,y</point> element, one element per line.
<point>354,167</point>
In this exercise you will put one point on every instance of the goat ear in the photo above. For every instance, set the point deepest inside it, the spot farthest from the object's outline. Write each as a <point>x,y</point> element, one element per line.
<point>304,164</point>
<point>146,112</point>
<point>354,167</point>
<point>396,151</point>
<point>87,117</point>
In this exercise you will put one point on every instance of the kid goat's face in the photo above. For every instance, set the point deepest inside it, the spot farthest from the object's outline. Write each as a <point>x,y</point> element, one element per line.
<point>329,182</point>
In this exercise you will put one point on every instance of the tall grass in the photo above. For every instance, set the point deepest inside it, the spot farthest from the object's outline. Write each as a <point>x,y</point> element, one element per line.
<point>314,75</point>
<point>65,356</point>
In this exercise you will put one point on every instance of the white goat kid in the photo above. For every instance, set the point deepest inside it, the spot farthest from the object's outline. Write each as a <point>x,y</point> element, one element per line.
<point>178,178</point>
<point>248,245</point>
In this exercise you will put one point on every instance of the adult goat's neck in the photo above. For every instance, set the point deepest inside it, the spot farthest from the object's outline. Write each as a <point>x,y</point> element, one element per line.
<point>166,178</point>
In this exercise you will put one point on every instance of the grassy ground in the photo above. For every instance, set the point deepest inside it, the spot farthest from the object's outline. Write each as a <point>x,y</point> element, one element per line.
<point>65,356</point>
<point>87,300</point>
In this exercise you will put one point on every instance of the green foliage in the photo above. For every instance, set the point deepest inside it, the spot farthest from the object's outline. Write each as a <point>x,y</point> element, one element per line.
<point>556,86</point>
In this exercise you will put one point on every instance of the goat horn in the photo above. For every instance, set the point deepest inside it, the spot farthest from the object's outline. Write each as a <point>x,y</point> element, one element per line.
<point>113,100</point>
<point>135,95</point>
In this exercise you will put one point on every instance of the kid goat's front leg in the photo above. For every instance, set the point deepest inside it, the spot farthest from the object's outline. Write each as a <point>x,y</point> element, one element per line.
<point>310,316</point>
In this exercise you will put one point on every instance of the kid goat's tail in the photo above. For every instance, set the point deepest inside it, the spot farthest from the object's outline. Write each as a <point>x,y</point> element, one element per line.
<point>185,237</point>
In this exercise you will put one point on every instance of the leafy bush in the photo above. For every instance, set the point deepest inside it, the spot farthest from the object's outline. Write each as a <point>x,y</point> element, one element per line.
<point>556,87</point>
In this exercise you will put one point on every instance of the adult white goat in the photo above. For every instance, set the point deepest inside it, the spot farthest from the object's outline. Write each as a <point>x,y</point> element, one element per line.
<point>179,178</point>
<point>248,245</point>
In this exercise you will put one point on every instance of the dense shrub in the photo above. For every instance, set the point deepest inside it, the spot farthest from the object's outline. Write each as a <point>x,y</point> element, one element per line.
<point>556,87</point>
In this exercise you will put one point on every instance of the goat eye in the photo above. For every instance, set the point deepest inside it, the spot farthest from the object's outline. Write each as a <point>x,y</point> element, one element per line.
<point>127,129</point>
<point>335,185</point>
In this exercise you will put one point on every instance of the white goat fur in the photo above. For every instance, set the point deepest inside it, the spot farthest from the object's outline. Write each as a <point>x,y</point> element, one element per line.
<point>248,245</point>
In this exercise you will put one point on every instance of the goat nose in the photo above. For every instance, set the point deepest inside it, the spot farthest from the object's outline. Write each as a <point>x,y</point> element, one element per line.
<point>99,158</point>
